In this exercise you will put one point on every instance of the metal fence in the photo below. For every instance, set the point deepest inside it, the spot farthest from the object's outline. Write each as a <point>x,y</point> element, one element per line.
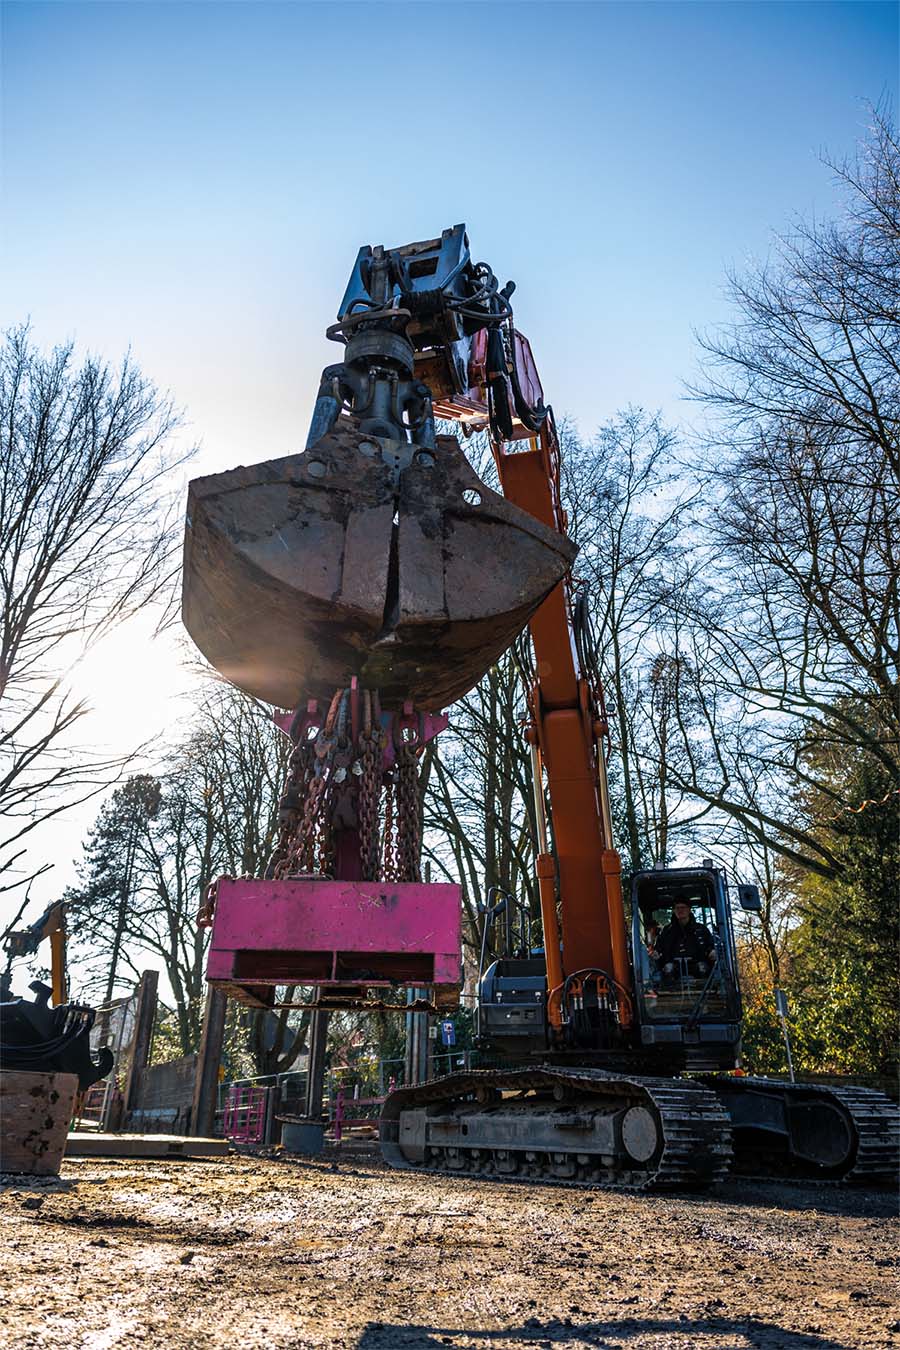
<point>246,1114</point>
<point>253,1104</point>
<point>247,1109</point>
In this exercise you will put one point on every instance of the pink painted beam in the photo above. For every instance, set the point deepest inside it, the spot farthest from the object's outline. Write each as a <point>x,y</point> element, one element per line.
<point>319,932</point>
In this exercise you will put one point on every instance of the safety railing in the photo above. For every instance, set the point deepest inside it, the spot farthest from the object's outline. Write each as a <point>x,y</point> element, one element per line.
<point>247,1109</point>
<point>342,1104</point>
<point>245,1117</point>
<point>284,1091</point>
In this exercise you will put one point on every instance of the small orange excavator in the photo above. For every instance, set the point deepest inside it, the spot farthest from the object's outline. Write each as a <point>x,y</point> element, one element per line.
<point>25,942</point>
<point>376,561</point>
<point>46,1033</point>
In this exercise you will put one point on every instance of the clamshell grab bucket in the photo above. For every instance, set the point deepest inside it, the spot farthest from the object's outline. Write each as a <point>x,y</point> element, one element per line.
<point>361,557</point>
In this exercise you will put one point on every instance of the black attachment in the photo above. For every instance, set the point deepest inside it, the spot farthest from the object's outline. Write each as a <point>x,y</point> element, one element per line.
<point>36,1038</point>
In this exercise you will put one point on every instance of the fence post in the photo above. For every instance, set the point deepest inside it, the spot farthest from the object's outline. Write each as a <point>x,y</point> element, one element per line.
<point>228,1111</point>
<point>781,1007</point>
<point>315,1079</point>
<point>417,1044</point>
<point>206,1081</point>
<point>144,1017</point>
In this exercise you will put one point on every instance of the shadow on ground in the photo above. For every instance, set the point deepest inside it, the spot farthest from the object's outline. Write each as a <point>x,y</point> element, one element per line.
<point>870,1201</point>
<point>860,1202</point>
<point>11,1181</point>
<point>709,1333</point>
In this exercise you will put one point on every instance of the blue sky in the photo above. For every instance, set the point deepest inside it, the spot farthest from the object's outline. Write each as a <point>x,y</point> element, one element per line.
<point>193,180</point>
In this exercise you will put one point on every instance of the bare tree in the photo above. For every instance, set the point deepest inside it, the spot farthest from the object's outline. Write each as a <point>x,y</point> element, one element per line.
<point>478,807</point>
<point>629,508</point>
<point>84,542</point>
<point>159,842</point>
<point>796,640</point>
<point>248,762</point>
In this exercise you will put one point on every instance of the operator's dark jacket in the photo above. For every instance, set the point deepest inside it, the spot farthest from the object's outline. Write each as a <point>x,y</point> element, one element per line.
<point>693,941</point>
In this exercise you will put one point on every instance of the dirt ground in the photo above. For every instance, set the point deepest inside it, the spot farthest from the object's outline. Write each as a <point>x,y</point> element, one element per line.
<point>250,1253</point>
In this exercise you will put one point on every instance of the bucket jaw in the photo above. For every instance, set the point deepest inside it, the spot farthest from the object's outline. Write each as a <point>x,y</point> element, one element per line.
<point>361,557</point>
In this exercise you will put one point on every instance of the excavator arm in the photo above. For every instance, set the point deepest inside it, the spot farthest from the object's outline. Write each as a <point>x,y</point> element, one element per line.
<point>25,942</point>
<point>566,736</point>
<point>479,370</point>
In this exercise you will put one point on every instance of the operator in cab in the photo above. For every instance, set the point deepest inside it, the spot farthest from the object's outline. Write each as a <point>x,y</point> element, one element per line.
<point>685,939</point>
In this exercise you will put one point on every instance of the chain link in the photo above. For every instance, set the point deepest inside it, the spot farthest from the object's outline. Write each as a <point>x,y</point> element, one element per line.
<point>389,868</point>
<point>369,789</point>
<point>291,806</point>
<point>409,816</point>
<point>333,784</point>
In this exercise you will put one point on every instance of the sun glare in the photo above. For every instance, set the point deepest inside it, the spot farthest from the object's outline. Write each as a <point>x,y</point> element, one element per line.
<point>133,682</point>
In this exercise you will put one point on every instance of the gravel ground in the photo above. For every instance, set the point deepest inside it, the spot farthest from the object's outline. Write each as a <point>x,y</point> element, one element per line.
<point>251,1252</point>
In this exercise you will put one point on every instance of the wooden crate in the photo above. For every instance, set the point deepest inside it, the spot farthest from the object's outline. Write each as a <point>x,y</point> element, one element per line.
<point>35,1111</point>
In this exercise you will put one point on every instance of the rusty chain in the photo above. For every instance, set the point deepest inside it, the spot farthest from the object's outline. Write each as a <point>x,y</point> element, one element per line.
<point>409,818</point>
<point>389,868</point>
<point>291,803</point>
<point>369,789</point>
<point>333,784</point>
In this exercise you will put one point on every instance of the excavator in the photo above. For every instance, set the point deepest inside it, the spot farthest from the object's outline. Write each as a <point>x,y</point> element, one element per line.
<point>364,584</point>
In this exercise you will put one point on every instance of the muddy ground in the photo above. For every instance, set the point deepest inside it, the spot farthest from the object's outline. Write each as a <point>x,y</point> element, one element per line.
<point>250,1253</point>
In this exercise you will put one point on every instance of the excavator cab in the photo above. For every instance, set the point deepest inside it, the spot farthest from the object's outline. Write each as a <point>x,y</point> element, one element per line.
<point>689,1006</point>
<point>688,1009</point>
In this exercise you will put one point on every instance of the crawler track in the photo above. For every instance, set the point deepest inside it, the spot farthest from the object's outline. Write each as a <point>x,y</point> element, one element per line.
<point>561,1126</point>
<point>591,1128</point>
<point>866,1129</point>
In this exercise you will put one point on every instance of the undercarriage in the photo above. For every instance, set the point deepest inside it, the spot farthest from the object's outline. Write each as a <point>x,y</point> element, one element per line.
<point>592,1128</point>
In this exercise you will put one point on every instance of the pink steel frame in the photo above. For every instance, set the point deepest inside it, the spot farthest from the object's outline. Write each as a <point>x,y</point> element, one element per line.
<point>245,1114</point>
<point>349,935</point>
<point>342,937</point>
